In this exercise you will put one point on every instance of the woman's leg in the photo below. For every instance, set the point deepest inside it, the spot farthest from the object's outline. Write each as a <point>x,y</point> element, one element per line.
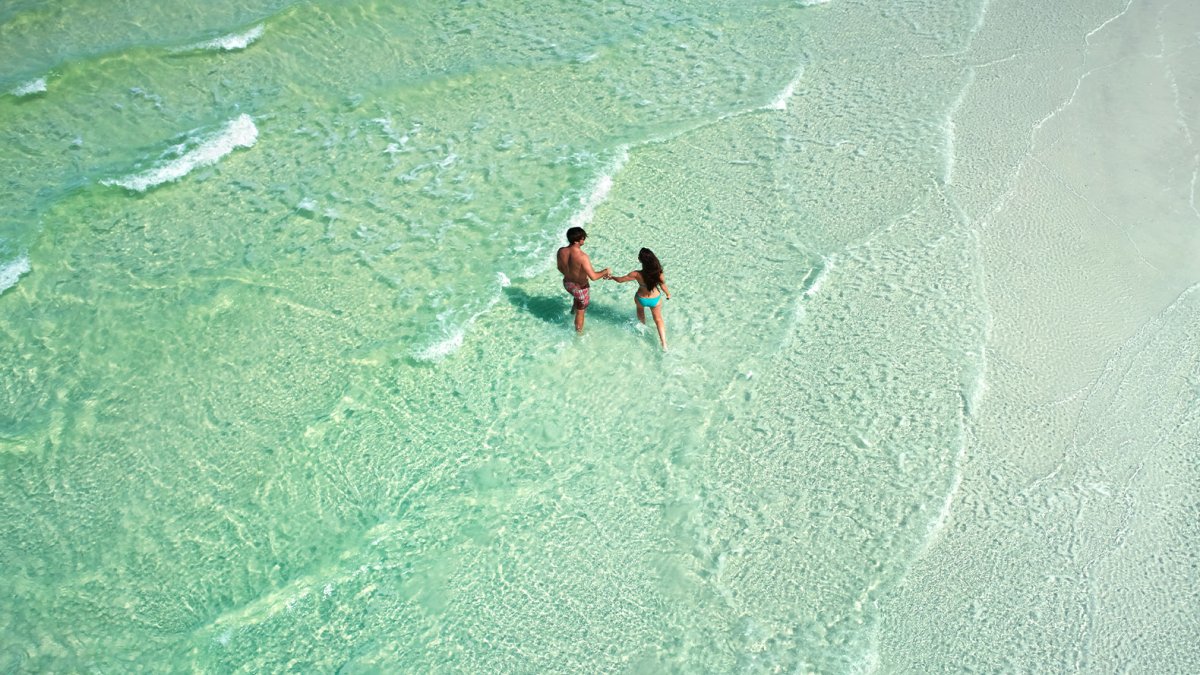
<point>641,311</point>
<point>662,325</point>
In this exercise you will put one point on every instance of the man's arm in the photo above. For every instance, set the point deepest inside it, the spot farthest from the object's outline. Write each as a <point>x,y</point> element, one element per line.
<point>593,274</point>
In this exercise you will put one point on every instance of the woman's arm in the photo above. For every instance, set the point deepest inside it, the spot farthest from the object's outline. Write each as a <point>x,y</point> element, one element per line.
<point>632,276</point>
<point>665,289</point>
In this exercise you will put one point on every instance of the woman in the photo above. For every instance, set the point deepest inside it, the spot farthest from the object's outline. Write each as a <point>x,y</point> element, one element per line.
<point>651,289</point>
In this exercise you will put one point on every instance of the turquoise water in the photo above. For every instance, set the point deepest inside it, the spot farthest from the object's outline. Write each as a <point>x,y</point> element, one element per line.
<point>289,380</point>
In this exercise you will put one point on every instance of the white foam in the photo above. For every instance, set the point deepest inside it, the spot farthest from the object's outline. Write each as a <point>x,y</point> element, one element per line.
<point>503,280</point>
<point>440,350</point>
<point>781,101</point>
<point>12,272</point>
<point>237,133</point>
<point>231,42</point>
<point>813,3</point>
<point>948,131</point>
<point>1087,39</point>
<point>31,87</point>
<point>454,338</point>
<point>599,190</point>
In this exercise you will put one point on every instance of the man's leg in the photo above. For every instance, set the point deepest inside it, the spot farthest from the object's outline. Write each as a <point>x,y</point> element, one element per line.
<point>579,320</point>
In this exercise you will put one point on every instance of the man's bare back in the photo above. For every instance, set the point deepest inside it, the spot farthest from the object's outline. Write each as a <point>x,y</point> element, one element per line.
<point>575,265</point>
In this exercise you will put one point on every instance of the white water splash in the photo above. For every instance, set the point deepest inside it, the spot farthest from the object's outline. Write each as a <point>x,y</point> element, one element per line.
<point>454,336</point>
<point>12,272</point>
<point>440,350</point>
<point>28,88</point>
<point>599,190</point>
<point>228,43</point>
<point>239,132</point>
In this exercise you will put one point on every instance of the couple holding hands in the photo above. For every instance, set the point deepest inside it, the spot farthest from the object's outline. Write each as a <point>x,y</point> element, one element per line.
<point>577,272</point>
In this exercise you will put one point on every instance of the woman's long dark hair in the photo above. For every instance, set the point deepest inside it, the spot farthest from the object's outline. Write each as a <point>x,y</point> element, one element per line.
<point>652,271</point>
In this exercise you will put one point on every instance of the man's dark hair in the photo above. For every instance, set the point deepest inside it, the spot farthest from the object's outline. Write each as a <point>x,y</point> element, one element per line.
<point>576,234</point>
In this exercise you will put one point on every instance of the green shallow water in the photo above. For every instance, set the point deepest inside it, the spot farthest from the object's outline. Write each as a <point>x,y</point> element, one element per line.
<point>289,380</point>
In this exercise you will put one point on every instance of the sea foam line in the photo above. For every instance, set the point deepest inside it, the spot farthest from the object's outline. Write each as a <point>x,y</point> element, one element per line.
<point>228,43</point>
<point>239,132</point>
<point>12,272</point>
<point>595,195</point>
<point>949,130</point>
<point>1087,39</point>
<point>31,87</point>
<point>599,190</point>
<point>451,343</point>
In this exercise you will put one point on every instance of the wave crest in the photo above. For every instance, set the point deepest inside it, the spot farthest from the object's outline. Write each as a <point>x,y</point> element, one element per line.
<point>12,272</point>
<point>29,88</point>
<point>228,43</point>
<point>239,132</point>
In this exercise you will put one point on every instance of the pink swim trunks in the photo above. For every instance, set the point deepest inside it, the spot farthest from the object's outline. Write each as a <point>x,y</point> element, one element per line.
<point>580,293</point>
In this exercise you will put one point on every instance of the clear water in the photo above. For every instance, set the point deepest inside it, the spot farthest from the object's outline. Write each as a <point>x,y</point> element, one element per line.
<point>289,382</point>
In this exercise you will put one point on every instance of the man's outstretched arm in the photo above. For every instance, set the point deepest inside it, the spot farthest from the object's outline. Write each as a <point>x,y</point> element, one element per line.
<point>593,274</point>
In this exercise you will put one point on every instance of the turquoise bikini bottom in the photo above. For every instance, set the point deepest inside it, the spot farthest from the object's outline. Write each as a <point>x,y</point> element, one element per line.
<point>648,302</point>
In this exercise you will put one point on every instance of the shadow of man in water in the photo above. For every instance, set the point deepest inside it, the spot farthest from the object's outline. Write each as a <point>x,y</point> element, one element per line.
<point>550,308</point>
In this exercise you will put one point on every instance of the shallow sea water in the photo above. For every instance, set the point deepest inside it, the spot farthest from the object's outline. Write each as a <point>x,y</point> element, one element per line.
<point>289,382</point>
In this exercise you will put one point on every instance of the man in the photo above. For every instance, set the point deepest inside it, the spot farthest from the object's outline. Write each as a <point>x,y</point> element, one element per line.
<point>577,272</point>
